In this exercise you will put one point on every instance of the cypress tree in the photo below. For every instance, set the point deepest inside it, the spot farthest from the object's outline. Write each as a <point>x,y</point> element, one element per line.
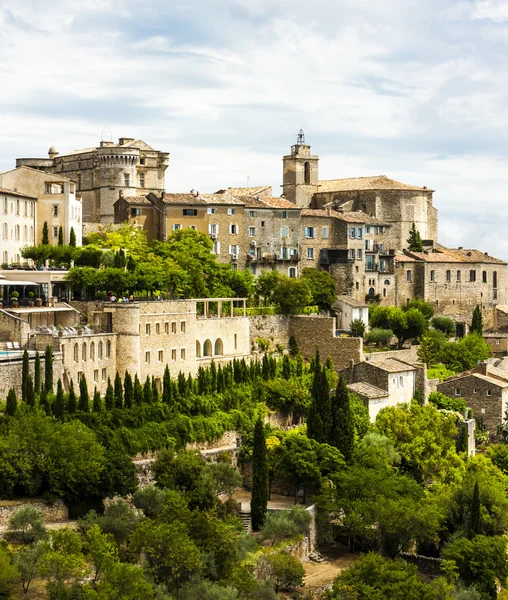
<point>45,233</point>
<point>182,384</point>
<point>29,391</point>
<point>286,367</point>
<point>417,397</point>
<point>220,379</point>
<point>342,434</point>
<point>44,400</point>
<point>84,399</point>
<point>299,364</point>
<point>265,368</point>
<point>48,369</point>
<point>25,370</point>
<point>60,236</point>
<point>138,391</point>
<point>72,403</point>
<point>155,391</point>
<point>58,407</point>
<point>259,498</point>
<point>72,238</point>
<point>118,391</point>
<point>273,367</point>
<point>12,403</point>
<point>96,406</point>
<point>147,391</point>
<point>325,405</point>
<point>213,377</point>
<point>190,385</point>
<point>477,323</point>
<point>414,241</point>
<point>37,373</point>
<point>109,400</point>
<point>128,390</point>
<point>166,385</point>
<point>474,524</point>
<point>315,416</point>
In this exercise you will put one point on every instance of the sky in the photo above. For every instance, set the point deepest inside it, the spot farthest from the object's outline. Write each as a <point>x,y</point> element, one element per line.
<point>414,90</point>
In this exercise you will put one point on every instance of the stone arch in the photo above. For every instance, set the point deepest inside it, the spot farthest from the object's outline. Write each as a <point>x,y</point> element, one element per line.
<point>198,349</point>
<point>92,351</point>
<point>219,347</point>
<point>76,352</point>
<point>83,352</point>
<point>372,292</point>
<point>306,173</point>
<point>387,282</point>
<point>100,350</point>
<point>108,349</point>
<point>207,348</point>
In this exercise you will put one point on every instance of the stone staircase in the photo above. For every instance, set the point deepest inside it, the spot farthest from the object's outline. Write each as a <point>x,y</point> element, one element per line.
<point>245,517</point>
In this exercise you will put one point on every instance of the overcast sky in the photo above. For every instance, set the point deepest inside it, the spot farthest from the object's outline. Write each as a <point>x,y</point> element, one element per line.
<point>411,89</point>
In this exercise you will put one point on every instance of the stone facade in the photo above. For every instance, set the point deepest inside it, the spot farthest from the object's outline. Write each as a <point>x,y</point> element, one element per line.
<point>130,166</point>
<point>17,227</point>
<point>11,369</point>
<point>274,328</point>
<point>498,342</point>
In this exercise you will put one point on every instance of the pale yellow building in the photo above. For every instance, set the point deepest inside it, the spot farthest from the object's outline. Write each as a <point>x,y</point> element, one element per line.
<point>17,212</point>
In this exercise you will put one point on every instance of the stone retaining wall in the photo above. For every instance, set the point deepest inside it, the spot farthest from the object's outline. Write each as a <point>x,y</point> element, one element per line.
<point>53,513</point>
<point>274,328</point>
<point>427,565</point>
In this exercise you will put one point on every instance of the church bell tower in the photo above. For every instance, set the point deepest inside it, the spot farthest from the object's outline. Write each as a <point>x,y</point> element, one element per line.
<point>300,173</point>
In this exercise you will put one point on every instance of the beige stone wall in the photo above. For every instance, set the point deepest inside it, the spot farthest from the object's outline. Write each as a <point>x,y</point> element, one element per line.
<point>17,226</point>
<point>11,372</point>
<point>274,328</point>
<point>52,513</point>
<point>13,328</point>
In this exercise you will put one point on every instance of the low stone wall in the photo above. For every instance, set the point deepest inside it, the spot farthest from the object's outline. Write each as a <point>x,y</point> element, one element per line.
<point>427,565</point>
<point>228,439</point>
<point>13,328</point>
<point>274,328</point>
<point>11,371</point>
<point>283,420</point>
<point>409,354</point>
<point>53,513</point>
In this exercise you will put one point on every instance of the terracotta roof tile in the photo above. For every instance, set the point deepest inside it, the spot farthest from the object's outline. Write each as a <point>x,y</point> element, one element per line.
<point>392,365</point>
<point>14,193</point>
<point>348,217</point>
<point>378,182</point>
<point>455,255</point>
<point>268,202</point>
<point>352,302</point>
<point>247,191</point>
<point>367,390</point>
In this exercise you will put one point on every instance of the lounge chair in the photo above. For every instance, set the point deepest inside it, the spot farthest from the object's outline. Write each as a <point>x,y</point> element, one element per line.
<point>16,345</point>
<point>10,346</point>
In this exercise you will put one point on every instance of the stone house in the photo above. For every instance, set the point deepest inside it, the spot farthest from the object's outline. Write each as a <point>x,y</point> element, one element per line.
<point>485,390</point>
<point>498,342</point>
<point>58,203</point>
<point>17,224</point>
<point>348,309</point>
<point>130,166</point>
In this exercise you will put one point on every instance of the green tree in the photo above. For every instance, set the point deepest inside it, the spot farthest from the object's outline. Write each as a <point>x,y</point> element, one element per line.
<point>322,287</point>
<point>44,401</point>
<point>60,236</point>
<point>45,233</point>
<point>138,391</point>
<point>224,478</point>
<point>109,400</point>
<point>126,582</point>
<point>48,369</point>
<point>72,402</point>
<point>166,387</point>
<point>342,434</point>
<point>128,389</point>
<point>37,373</point>
<point>207,590</point>
<point>118,391</point>
<point>84,399</point>
<point>285,571</point>
<point>474,513</point>
<point>30,393</point>
<point>465,354</point>
<point>414,241</point>
<point>9,574</point>
<point>259,498</point>
<point>102,551</point>
<point>27,560</point>
<point>27,525</point>
<point>97,404</point>
<point>25,371</point>
<point>59,406</point>
<point>147,391</point>
<point>424,307</point>
<point>444,324</point>
<point>12,403</point>
<point>432,347</point>
<point>266,284</point>
<point>72,238</point>
<point>357,328</point>
<point>477,322</point>
<point>291,295</point>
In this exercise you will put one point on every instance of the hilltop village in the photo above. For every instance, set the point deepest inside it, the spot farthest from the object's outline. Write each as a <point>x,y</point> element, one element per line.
<point>170,360</point>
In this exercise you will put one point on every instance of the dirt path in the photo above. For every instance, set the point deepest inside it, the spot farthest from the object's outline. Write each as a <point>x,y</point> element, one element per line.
<point>320,574</point>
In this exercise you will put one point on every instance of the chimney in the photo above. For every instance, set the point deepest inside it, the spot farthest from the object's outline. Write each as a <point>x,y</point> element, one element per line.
<point>123,141</point>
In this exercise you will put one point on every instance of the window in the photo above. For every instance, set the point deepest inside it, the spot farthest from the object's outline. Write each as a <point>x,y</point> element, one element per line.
<point>76,353</point>
<point>182,326</point>
<point>96,376</point>
<point>80,375</point>
<point>457,391</point>
<point>6,206</point>
<point>233,229</point>
<point>147,329</point>
<point>306,173</point>
<point>472,275</point>
<point>325,233</point>
<point>359,254</point>
<point>310,232</point>
<point>108,349</point>
<point>160,355</point>
<point>252,231</point>
<point>359,232</point>
<point>92,351</point>
<point>213,229</point>
<point>284,232</point>
<point>216,248</point>
<point>494,279</point>
<point>83,352</point>
<point>176,226</point>
<point>211,210</point>
<point>498,341</point>
<point>252,214</point>
<point>310,253</point>
<point>104,374</point>
<point>408,276</point>
<point>432,275</point>
<point>236,341</point>
<point>135,212</point>
<point>6,232</point>
<point>357,286</point>
<point>231,211</point>
<point>55,210</point>
<point>351,254</point>
<point>173,327</point>
<point>284,214</point>
<point>262,223</point>
<point>53,188</point>
<point>448,275</point>
<point>489,392</point>
<point>182,353</point>
<point>459,275</point>
<point>484,276</point>
<point>352,232</point>
<point>233,250</point>
<point>401,381</point>
<point>173,354</point>
<point>157,328</point>
<point>141,161</point>
<point>25,208</point>
<point>190,212</point>
<point>166,327</point>
<point>292,272</point>
<point>100,350</point>
<point>126,179</point>
<point>147,357</point>
<point>142,180</point>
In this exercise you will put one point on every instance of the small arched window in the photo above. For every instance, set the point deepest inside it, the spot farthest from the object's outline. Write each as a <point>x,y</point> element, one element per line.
<point>198,349</point>
<point>219,347</point>
<point>408,276</point>
<point>306,173</point>
<point>76,353</point>
<point>372,292</point>
<point>292,272</point>
<point>92,351</point>
<point>207,348</point>
<point>83,351</point>
<point>387,282</point>
<point>108,349</point>
<point>100,349</point>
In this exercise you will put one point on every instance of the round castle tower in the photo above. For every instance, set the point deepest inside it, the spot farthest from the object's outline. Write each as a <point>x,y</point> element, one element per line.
<point>125,323</point>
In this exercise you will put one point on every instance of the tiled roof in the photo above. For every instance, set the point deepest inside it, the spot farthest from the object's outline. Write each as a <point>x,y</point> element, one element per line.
<point>352,302</point>
<point>246,191</point>
<point>392,365</point>
<point>268,202</point>
<point>348,217</point>
<point>368,390</point>
<point>14,193</point>
<point>137,200</point>
<point>492,380</point>
<point>378,182</point>
<point>201,199</point>
<point>454,255</point>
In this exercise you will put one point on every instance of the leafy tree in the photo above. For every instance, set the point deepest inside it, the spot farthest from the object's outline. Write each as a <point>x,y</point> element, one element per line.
<point>321,285</point>
<point>37,373</point>
<point>266,284</point>
<point>481,562</point>
<point>27,560</point>
<point>45,233</point>
<point>27,525</point>
<point>285,570</point>
<point>12,403</point>
<point>292,295</point>
<point>128,238</point>
<point>102,551</point>
<point>118,391</point>
<point>465,354</point>
<point>119,520</point>
<point>424,307</point>
<point>84,399</point>
<point>206,590</point>
<point>414,241</point>
<point>444,402</point>
<point>8,573</point>
<point>259,498</point>
<point>444,324</point>
<point>285,524</point>
<point>109,399</point>
<point>358,328</point>
<point>477,323</point>
<point>72,238</point>
<point>473,528</point>
<point>432,347</point>
<point>72,403</point>
<point>59,406</point>
<point>380,337</point>
<point>342,434</point>
<point>416,324</point>
<point>126,582</point>
<point>97,404</point>
<point>60,236</point>
<point>48,369</point>
<point>224,478</point>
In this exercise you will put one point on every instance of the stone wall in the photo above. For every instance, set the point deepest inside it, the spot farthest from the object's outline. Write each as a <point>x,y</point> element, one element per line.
<point>11,372</point>
<point>406,354</point>
<point>274,328</point>
<point>53,513</point>
<point>13,328</point>
<point>427,565</point>
<point>311,332</point>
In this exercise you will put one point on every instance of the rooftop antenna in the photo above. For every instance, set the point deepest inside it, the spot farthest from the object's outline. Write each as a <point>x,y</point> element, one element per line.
<point>106,131</point>
<point>300,138</point>
<point>248,180</point>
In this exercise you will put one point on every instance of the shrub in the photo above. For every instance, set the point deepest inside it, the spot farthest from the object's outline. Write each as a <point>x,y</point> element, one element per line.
<point>263,344</point>
<point>27,525</point>
<point>444,402</point>
<point>444,324</point>
<point>357,328</point>
<point>380,337</point>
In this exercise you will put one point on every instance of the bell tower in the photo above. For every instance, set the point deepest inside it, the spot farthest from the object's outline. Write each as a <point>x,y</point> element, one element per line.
<point>300,173</point>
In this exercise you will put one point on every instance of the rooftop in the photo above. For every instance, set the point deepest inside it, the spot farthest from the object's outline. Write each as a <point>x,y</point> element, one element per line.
<point>377,182</point>
<point>368,390</point>
<point>352,302</point>
<point>348,217</point>
<point>452,255</point>
<point>15,193</point>
<point>391,365</point>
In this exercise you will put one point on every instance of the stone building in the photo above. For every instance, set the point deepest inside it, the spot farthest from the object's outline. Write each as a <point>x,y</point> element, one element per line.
<point>17,224</point>
<point>498,342</point>
<point>348,310</point>
<point>58,203</point>
<point>130,166</point>
<point>485,390</point>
